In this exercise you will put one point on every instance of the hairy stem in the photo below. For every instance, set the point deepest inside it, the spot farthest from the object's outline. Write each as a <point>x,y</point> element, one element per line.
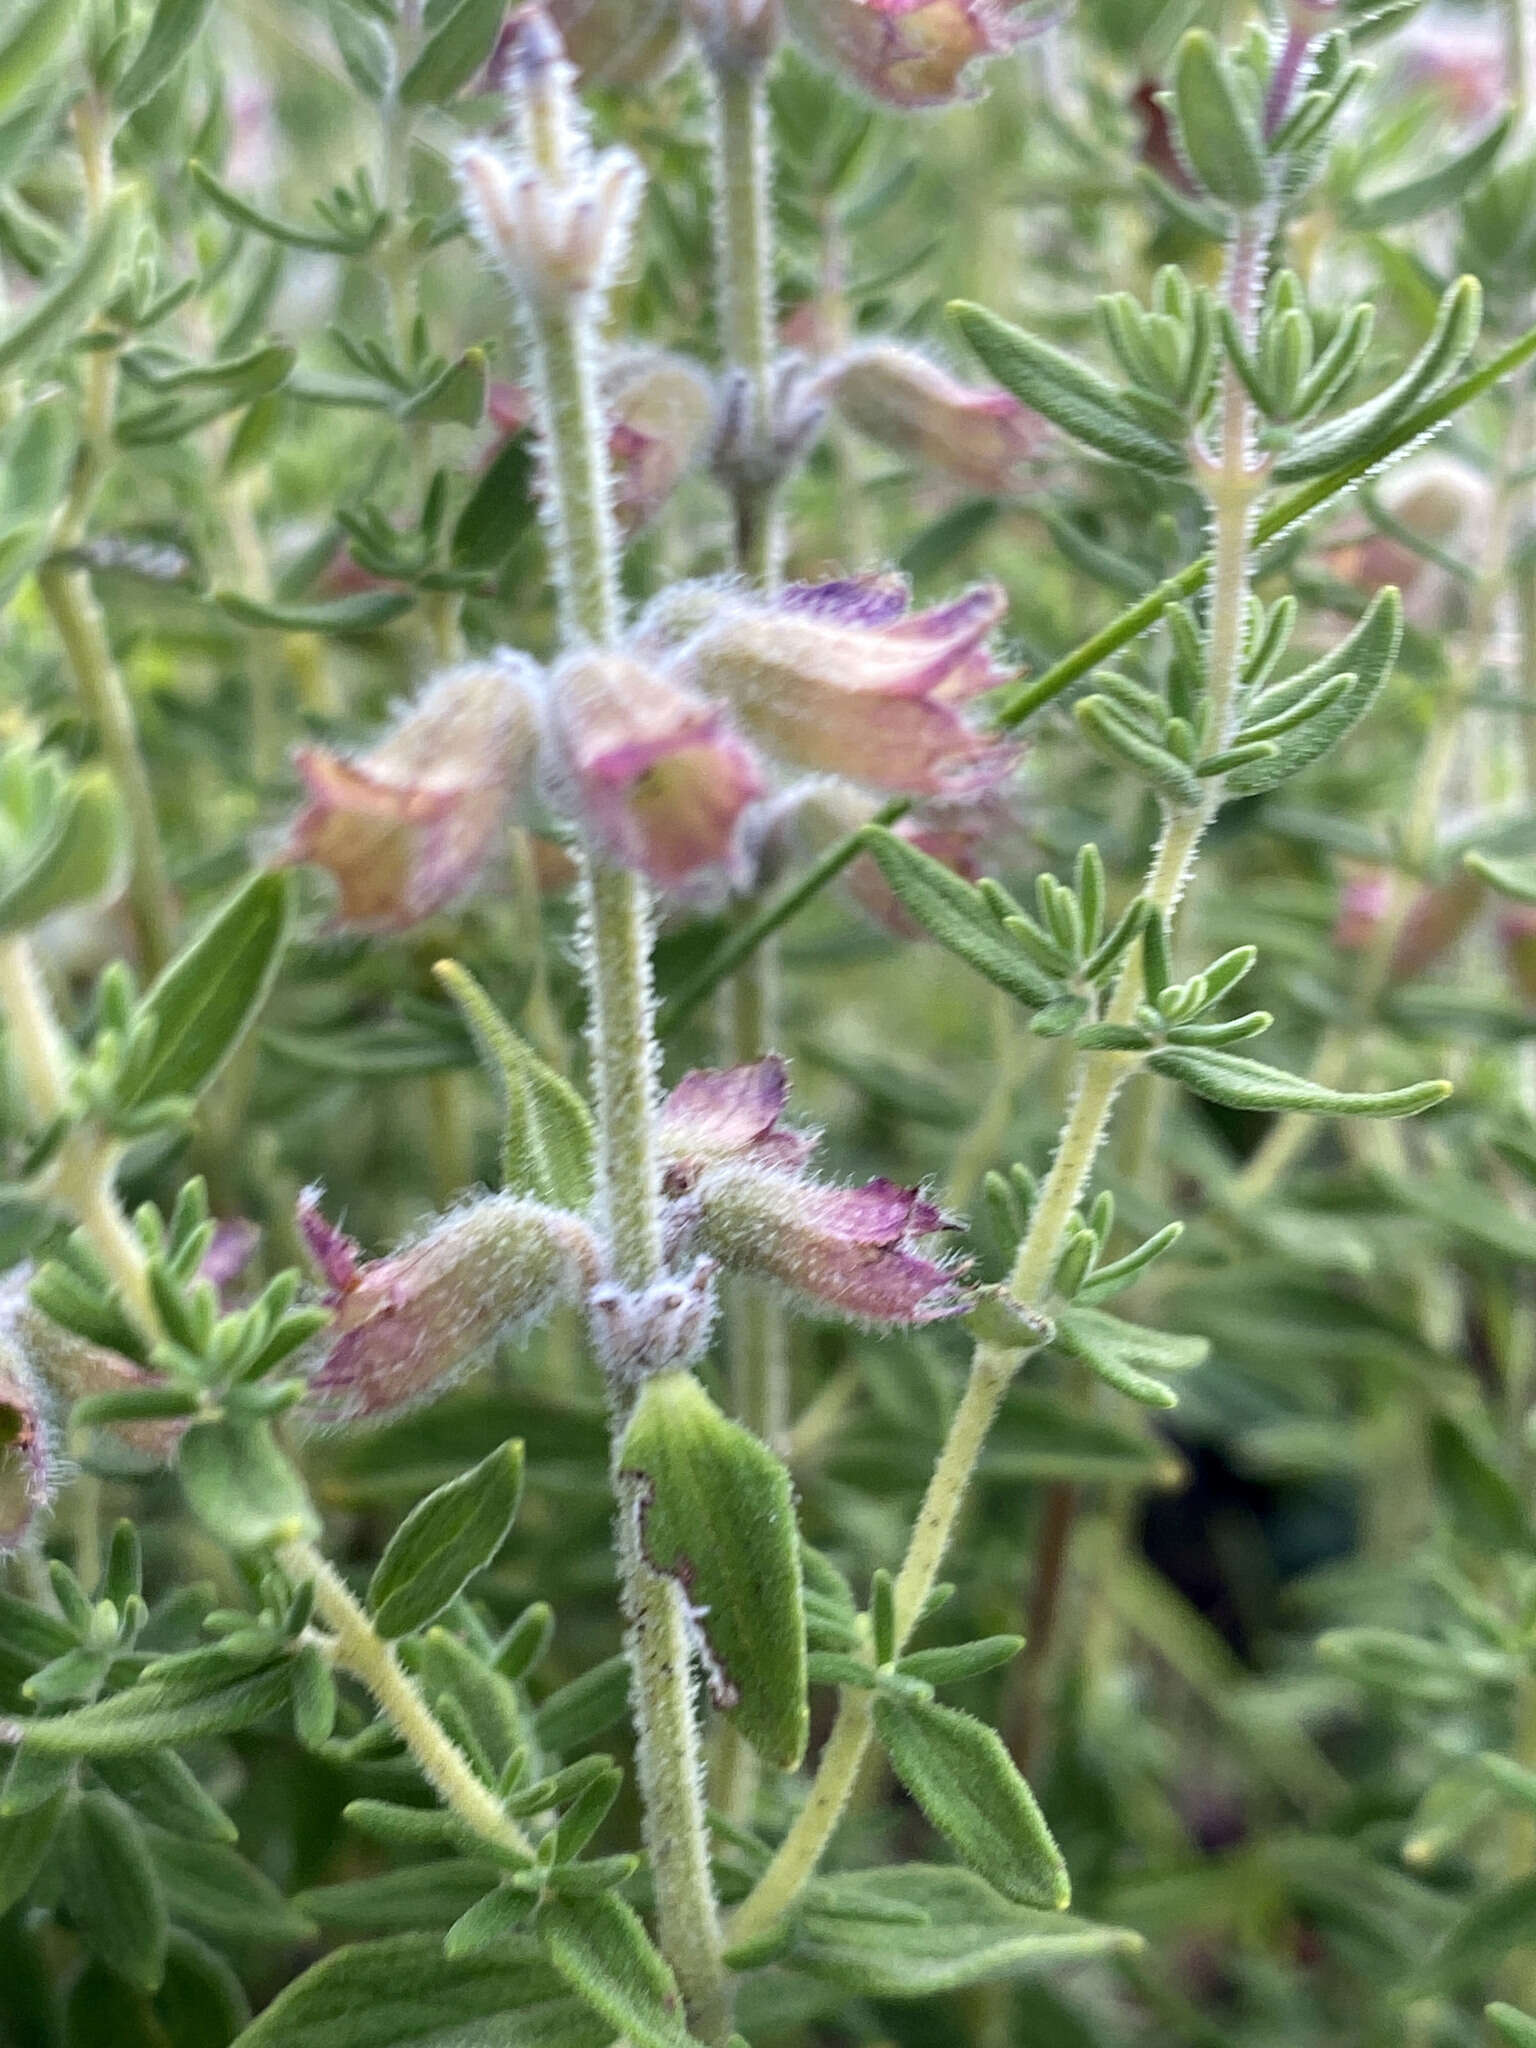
<point>362,1651</point>
<point>1101,1076</point>
<point>744,256</point>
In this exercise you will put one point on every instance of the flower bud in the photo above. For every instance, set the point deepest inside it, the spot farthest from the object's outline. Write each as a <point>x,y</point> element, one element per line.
<point>736,35</point>
<point>26,1448</point>
<point>623,43</point>
<point>908,53</point>
<point>842,679</point>
<point>404,1327</point>
<point>752,456</point>
<point>410,826</point>
<point>555,215</point>
<point>854,1250</point>
<point>660,408</point>
<point>897,397</point>
<point>654,772</point>
<point>1439,915</point>
<point>1438,500</point>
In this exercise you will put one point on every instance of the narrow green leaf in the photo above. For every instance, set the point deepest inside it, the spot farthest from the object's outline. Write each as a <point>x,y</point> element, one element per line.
<point>920,1929</point>
<point>1442,185</point>
<point>79,859</point>
<point>717,1515</point>
<point>164,1791</point>
<point>1239,1083</point>
<point>1482,1937</point>
<point>210,1886</point>
<point>150,1716</point>
<point>366,611</point>
<point>1369,651</point>
<point>174,28</point>
<point>601,1950</point>
<point>958,1771</point>
<point>444,1542</point>
<point>205,1001</point>
<point>452,53</point>
<point>456,397</point>
<point>403,1993</point>
<point>1512,878</point>
<point>1122,1353</point>
<point>1073,397</point>
<point>417,1897</point>
<point>548,1145</point>
<point>113,1891</point>
<point>489,1920</point>
<point>244,215</point>
<point>955,912</point>
<point>1516,2027</point>
<point>501,508</point>
<point>587,1706</point>
<point>956,1662</point>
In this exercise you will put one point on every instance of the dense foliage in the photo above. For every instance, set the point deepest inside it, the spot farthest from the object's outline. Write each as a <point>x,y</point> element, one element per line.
<point>564,567</point>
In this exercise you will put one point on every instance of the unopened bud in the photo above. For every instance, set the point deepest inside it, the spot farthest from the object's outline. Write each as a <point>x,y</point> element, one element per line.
<point>660,408</point>
<point>410,826</point>
<point>751,456</point>
<point>405,1327</point>
<point>736,35</point>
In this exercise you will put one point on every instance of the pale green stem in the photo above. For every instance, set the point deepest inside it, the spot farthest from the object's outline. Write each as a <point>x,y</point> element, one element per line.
<point>361,1650</point>
<point>744,230</point>
<point>1101,1077</point>
<point>71,603</point>
<point>667,1756</point>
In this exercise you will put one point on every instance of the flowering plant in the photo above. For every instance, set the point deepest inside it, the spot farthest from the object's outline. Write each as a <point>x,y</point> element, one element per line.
<point>503,510</point>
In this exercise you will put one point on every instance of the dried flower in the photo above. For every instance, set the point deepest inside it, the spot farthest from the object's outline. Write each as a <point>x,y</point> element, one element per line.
<point>1439,915</point>
<point>635,1334</point>
<point>736,35</point>
<point>908,53</point>
<point>405,1326</point>
<point>917,409</point>
<point>654,771</point>
<point>409,827</point>
<point>842,679</point>
<point>71,1366</point>
<point>729,1113</point>
<point>555,215</point>
<point>660,407</point>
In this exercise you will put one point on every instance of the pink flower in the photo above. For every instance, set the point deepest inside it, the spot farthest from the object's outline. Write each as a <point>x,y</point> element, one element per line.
<point>908,53</point>
<point>653,770</point>
<point>729,1113</point>
<point>660,408</point>
<point>910,405</point>
<point>410,826</point>
<point>841,678</point>
<point>404,1327</point>
<point>26,1447</point>
<point>735,1179</point>
<point>71,1366</point>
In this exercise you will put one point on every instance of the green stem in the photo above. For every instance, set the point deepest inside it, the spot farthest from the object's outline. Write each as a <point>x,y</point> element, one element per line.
<point>1101,1076</point>
<point>361,1650</point>
<point>744,232</point>
<point>667,1755</point>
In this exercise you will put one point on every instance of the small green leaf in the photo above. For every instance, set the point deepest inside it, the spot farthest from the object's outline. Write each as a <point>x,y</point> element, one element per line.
<point>1517,2028</point>
<point>1216,125</point>
<point>956,1662</point>
<point>1361,664</point>
<point>173,29</point>
<point>210,1886</point>
<point>244,215</point>
<point>1442,185</point>
<point>113,1891</point>
<point>501,508</point>
<point>958,1771</point>
<point>1239,1083</point>
<point>24,1842</point>
<point>364,47</point>
<point>444,1542</point>
<point>242,1486</point>
<point>1482,1937</point>
<point>77,860</point>
<point>164,1791</point>
<point>547,1149</point>
<point>456,397</point>
<point>489,1920</point>
<point>314,1697</point>
<point>419,1896</point>
<point>1073,397</point>
<point>920,1929</point>
<point>716,1515</point>
<point>205,1001</point>
<point>62,312</point>
<point>403,1993</point>
<point>452,54</point>
<point>30,48</point>
<point>1512,878</point>
<point>601,1950</point>
<point>1122,1353</point>
<point>955,912</point>
<point>587,1706</point>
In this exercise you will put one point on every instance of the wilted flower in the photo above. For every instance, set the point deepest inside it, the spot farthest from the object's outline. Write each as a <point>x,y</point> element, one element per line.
<point>557,225</point>
<point>736,1182</point>
<point>71,1366</point>
<point>1439,915</point>
<point>26,1453</point>
<point>624,43</point>
<point>913,407</point>
<point>654,771</point>
<point>659,408</point>
<point>908,53</point>
<point>410,826</point>
<point>404,1327</point>
<point>842,679</point>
